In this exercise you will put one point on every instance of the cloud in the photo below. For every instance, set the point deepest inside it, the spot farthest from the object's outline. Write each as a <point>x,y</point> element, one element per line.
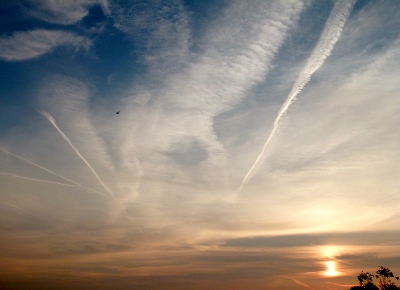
<point>301,283</point>
<point>305,240</point>
<point>342,285</point>
<point>179,111</point>
<point>331,150</point>
<point>53,122</point>
<point>98,145</point>
<point>323,49</point>
<point>26,45</point>
<point>159,29</point>
<point>47,170</point>
<point>332,165</point>
<point>22,210</point>
<point>63,12</point>
<point>337,148</point>
<point>35,179</point>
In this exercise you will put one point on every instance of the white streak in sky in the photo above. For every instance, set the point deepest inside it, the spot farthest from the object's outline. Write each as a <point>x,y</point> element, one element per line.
<point>49,171</point>
<point>14,206</point>
<point>35,179</point>
<point>53,122</point>
<point>300,283</point>
<point>323,49</point>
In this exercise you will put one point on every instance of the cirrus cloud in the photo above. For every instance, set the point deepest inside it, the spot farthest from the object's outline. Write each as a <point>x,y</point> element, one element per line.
<point>31,44</point>
<point>63,12</point>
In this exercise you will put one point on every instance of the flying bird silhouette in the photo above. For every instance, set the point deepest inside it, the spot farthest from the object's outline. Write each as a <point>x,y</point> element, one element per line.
<point>118,112</point>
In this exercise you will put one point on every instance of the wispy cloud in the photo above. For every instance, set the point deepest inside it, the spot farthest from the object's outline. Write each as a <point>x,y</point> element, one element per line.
<point>34,179</point>
<point>20,209</point>
<point>207,86</point>
<point>26,45</point>
<point>69,99</point>
<point>182,108</point>
<point>53,122</point>
<point>301,283</point>
<point>329,37</point>
<point>49,171</point>
<point>14,206</point>
<point>63,12</point>
<point>165,40</point>
<point>342,285</point>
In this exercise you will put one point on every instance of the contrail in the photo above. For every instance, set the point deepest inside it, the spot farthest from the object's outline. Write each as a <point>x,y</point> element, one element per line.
<point>35,179</point>
<point>301,283</point>
<point>329,37</point>
<point>14,206</point>
<point>53,122</point>
<point>49,171</point>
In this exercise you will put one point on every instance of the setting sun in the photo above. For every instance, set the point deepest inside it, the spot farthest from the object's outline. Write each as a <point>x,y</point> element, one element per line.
<point>331,269</point>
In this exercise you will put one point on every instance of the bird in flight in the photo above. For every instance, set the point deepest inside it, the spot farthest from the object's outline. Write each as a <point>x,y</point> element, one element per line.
<point>118,112</point>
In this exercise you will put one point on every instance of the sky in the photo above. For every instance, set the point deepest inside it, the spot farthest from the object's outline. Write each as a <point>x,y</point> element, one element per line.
<point>256,144</point>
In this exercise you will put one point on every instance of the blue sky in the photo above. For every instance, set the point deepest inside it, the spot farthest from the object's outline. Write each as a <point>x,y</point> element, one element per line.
<point>256,144</point>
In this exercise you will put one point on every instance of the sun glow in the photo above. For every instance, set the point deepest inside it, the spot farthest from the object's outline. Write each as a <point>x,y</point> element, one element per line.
<point>331,269</point>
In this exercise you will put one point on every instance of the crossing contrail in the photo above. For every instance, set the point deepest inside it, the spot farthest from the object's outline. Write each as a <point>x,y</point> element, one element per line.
<point>35,179</point>
<point>53,122</point>
<point>329,37</point>
<point>49,171</point>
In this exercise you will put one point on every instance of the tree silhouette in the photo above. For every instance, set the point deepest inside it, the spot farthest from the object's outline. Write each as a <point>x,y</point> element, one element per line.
<point>382,274</point>
<point>365,280</point>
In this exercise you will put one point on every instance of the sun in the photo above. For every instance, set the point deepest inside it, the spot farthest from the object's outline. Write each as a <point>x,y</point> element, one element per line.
<point>331,269</point>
